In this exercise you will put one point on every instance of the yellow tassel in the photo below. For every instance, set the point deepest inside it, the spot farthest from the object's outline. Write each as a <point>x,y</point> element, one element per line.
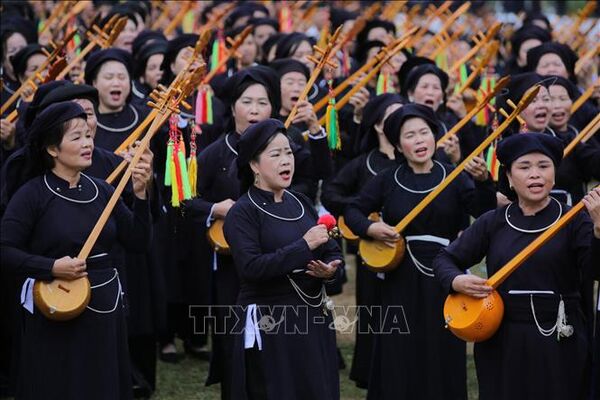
<point>193,174</point>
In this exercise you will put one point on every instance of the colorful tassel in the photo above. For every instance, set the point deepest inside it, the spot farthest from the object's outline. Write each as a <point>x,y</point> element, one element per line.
<point>285,18</point>
<point>192,161</point>
<point>176,171</point>
<point>189,21</point>
<point>384,84</point>
<point>331,122</point>
<point>218,52</point>
<point>493,165</point>
<point>204,107</point>
<point>441,60</point>
<point>75,42</point>
<point>185,178</point>
<point>464,74</point>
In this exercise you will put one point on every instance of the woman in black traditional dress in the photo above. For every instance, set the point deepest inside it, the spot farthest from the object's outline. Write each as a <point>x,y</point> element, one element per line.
<point>44,227</point>
<point>413,355</point>
<point>109,71</point>
<point>147,72</point>
<point>541,350</point>
<point>253,96</point>
<point>283,259</point>
<point>579,166</point>
<point>376,155</point>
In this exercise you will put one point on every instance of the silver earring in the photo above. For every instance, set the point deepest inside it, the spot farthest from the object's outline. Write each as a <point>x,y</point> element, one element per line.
<point>256,179</point>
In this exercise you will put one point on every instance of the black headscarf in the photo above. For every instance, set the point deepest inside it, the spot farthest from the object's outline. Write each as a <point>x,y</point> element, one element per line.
<point>144,37</point>
<point>362,50</point>
<point>515,146</point>
<point>412,78</point>
<point>42,91</point>
<point>31,160</point>
<point>408,66</point>
<point>239,82</point>
<point>173,48</point>
<point>394,122</point>
<point>140,58</point>
<point>288,44</point>
<point>568,57</point>
<point>372,24</point>
<point>373,113</point>
<point>19,60</point>
<point>95,61</point>
<point>252,142</point>
<point>516,88</point>
<point>572,89</point>
<point>528,32</point>
<point>285,65</point>
<point>10,24</point>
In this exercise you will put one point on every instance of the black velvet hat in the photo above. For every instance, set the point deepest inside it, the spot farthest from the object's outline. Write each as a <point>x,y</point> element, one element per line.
<point>42,91</point>
<point>511,148</point>
<point>407,67</point>
<point>412,79</point>
<point>140,58</point>
<point>259,74</point>
<point>515,146</point>
<point>252,140</point>
<point>19,60</point>
<point>568,56</point>
<point>288,44</point>
<point>373,113</point>
<point>528,32</point>
<point>95,61</point>
<point>394,122</point>
<point>571,88</point>
<point>285,65</point>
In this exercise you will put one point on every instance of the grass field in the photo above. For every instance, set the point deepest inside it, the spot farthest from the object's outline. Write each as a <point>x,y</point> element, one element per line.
<point>185,381</point>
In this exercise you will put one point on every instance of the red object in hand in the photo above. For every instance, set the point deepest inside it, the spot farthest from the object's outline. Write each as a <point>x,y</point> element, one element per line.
<point>328,220</point>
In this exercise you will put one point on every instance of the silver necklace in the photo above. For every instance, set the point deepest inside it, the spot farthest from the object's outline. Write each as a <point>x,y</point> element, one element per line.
<point>136,92</point>
<point>70,199</point>
<point>277,216</point>
<point>369,167</point>
<point>228,145</point>
<point>533,230</point>
<point>420,191</point>
<point>136,118</point>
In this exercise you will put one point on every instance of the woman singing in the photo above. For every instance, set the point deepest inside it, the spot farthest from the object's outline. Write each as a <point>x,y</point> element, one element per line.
<point>283,260</point>
<point>541,350</point>
<point>43,229</point>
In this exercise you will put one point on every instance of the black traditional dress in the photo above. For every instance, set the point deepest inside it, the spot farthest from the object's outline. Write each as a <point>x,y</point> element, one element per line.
<point>217,181</point>
<point>284,346</point>
<point>114,128</point>
<point>142,274</point>
<point>577,168</point>
<point>86,357</point>
<point>525,359</point>
<point>414,356</point>
<point>337,194</point>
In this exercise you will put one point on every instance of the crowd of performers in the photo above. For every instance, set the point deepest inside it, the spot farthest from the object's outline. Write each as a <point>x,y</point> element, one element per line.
<point>267,146</point>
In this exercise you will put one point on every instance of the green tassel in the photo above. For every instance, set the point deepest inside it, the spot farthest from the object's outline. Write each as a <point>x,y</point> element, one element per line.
<point>185,179</point>
<point>463,74</point>
<point>209,107</point>
<point>380,82</point>
<point>168,163</point>
<point>214,55</point>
